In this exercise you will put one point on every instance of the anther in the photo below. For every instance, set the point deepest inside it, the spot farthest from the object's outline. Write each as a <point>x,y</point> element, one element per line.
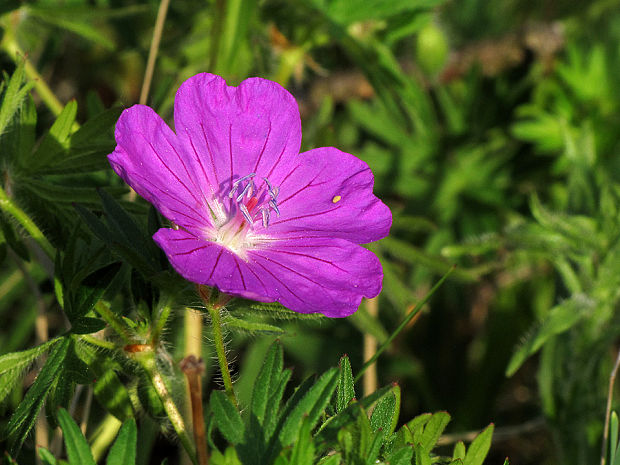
<point>248,186</point>
<point>237,182</point>
<point>274,205</point>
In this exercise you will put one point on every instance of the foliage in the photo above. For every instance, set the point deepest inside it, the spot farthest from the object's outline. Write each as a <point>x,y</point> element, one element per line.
<point>492,130</point>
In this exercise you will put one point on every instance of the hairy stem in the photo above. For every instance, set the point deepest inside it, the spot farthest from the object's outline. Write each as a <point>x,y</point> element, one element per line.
<point>8,206</point>
<point>218,340</point>
<point>114,321</point>
<point>147,360</point>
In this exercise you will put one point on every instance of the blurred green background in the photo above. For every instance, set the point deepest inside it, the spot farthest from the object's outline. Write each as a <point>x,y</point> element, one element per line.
<point>493,130</point>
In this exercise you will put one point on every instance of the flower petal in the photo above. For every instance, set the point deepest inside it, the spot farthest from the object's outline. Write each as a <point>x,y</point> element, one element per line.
<point>329,193</point>
<point>147,157</point>
<point>235,131</point>
<point>206,262</point>
<point>324,275</point>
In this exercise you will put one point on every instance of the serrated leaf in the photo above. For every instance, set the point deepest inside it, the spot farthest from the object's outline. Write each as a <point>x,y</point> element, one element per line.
<point>479,448</point>
<point>382,417</point>
<point>26,413</point>
<point>267,381</point>
<point>227,417</point>
<point>345,392</point>
<point>330,429</point>
<point>312,405</point>
<point>13,96</point>
<point>13,365</point>
<point>77,447</point>
<point>251,327</point>
<point>432,430</point>
<point>123,451</point>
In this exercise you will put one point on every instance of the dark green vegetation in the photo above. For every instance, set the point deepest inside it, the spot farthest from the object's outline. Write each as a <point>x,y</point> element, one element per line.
<point>493,130</point>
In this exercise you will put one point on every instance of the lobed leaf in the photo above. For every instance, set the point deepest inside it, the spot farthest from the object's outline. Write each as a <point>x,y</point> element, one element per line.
<point>123,451</point>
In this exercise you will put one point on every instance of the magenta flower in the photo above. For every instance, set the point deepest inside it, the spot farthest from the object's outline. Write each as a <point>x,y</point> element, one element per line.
<point>254,217</point>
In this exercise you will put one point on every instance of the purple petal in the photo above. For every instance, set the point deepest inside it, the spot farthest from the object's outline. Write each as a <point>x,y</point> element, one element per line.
<point>148,158</point>
<point>313,275</point>
<point>206,262</point>
<point>235,131</point>
<point>329,193</point>
<point>324,275</point>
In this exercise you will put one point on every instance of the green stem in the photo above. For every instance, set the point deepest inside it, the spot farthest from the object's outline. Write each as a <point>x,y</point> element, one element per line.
<point>11,47</point>
<point>8,206</point>
<point>114,321</point>
<point>218,340</point>
<point>147,360</point>
<point>414,311</point>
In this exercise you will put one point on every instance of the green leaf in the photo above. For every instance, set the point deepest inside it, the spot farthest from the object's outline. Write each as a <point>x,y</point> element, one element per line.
<point>479,448</point>
<point>401,456</point>
<point>433,429</point>
<point>87,325</point>
<point>312,405</point>
<point>123,451</point>
<point>90,291</point>
<point>55,142</point>
<point>250,327</point>
<point>77,447</point>
<point>26,413</point>
<point>227,417</point>
<point>72,18</point>
<point>267,382</point>
<point>13,96</point>
<point>46,456</point>
<point>330,429</point>
<point>459,451</point>
<point>384,414</point>
<point>345,391</point>
<point>14,364</point>
<point>560,318</point>
<point>303,450</point>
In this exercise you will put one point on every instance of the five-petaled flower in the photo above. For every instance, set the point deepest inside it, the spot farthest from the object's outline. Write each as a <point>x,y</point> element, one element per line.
<point>254,217</point>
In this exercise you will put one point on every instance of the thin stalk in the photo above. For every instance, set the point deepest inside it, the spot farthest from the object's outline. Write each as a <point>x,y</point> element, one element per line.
<point>11,47</point>
<point>414,311</point>
<point>610,395</point>
<point>8,206</point>
<point>150,64</point>
<point>147,360</point>
<point>194,368</point>
<point>98,342</point>
<point>218,340</point>
<point>370,348</point>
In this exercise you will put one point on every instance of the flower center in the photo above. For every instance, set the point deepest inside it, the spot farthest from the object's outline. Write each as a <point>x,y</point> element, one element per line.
<point>235,215</point>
